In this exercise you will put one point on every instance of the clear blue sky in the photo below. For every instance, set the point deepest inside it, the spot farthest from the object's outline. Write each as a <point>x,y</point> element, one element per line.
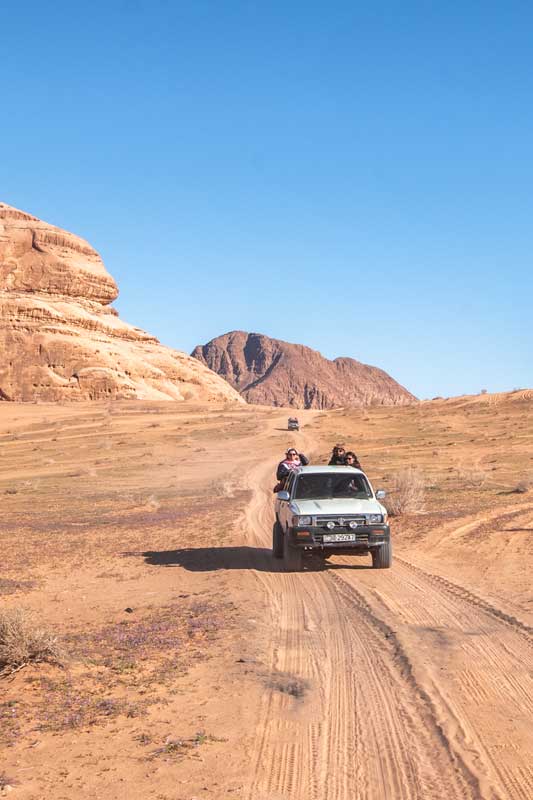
<point>354,176</point>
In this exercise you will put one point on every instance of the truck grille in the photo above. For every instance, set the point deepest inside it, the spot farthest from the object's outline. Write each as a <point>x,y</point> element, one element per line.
<point>340,522</point>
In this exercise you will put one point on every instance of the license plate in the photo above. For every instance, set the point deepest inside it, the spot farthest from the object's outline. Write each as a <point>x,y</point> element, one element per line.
<point>339,537</point>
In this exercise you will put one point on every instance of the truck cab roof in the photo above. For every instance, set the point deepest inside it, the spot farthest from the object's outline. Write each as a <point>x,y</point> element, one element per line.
<point>317,468</point>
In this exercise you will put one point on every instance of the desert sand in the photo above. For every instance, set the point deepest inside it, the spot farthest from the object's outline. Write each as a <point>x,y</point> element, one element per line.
<point>196,667</point>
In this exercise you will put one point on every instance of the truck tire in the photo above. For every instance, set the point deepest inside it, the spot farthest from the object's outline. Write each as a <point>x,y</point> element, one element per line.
<point>319,560</point>
<point>292,558</point>
<point>382,556</point>
<point>277,540</point>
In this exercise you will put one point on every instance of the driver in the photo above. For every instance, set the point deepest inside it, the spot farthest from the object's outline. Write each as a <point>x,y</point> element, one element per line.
<point>346,488</point>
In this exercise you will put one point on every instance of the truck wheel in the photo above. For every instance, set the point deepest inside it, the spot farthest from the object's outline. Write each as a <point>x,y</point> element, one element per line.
<point>292,558</point>
<point>319,560</point>
<point>277,540</point>
<point>382,556</point>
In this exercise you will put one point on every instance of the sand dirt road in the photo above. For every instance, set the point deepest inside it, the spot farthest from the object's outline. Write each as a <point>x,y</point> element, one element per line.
<point>405,684</point>
<point>336,683</point>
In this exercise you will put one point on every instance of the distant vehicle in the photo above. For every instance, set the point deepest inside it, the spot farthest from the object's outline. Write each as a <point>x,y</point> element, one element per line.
<point>293,424</point>
<point>326,510</point>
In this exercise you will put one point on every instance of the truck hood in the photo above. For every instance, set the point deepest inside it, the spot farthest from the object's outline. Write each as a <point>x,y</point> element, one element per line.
<point>337,507</point>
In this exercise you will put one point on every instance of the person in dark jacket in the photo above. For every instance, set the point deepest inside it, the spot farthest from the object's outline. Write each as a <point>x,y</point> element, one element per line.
<point>293,459</point>
<point>351,460</point>
<point>338,456</point>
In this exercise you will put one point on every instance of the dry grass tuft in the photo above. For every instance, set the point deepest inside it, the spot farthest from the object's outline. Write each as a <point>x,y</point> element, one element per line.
<point>24,641</point>
<point>6,781</point>
<point>473,477</point>
<point>182,747</point>
<point>289,684</point>
<point>523,486</point>
<point>407,493</point>
<point>222,487</point>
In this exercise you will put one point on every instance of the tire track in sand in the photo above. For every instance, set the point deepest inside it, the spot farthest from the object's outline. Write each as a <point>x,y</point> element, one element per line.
<point>474,661</point>
<point>364,729</point>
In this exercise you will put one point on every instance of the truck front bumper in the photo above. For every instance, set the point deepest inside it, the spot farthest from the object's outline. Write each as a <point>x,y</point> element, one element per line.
<point>365,538</point>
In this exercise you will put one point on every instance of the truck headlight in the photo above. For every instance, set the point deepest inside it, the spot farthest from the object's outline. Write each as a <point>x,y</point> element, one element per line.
<point>373,518</point>
<point>298,521</point>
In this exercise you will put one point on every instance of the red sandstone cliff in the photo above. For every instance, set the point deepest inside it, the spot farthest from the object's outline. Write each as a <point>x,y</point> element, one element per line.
<point>272,372</point>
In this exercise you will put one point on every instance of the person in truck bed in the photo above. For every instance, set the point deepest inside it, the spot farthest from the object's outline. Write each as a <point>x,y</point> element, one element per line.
<point>293,459</point>
<point>351,460</point>
<point>338,455</point>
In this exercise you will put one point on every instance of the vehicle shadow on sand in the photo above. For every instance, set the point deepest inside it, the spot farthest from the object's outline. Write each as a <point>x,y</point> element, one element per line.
<point>210,559</point>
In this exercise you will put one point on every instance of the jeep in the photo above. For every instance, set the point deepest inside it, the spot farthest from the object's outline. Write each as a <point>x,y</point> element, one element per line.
<point>324,511</point>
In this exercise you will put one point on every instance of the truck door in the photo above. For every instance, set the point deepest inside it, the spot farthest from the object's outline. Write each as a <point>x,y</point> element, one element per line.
<point>284,510</point>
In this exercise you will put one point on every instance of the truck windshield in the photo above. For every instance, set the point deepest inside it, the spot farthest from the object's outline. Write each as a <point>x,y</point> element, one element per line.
<point>329,486</point>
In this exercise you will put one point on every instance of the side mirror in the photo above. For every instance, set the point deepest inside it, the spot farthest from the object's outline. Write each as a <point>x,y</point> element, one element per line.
<point>283,495</point>
<point>381,494</point>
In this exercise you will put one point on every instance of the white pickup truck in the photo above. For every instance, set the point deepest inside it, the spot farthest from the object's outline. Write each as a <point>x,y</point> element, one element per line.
<point>330,510</point>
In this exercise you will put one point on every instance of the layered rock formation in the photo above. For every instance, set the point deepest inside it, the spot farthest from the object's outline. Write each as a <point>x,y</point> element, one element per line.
<point>60,339</point>
<point>272,372</point>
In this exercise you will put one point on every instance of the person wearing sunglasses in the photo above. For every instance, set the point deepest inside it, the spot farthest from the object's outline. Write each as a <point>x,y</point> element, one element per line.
<point>293,459</point>
<point>338,456</point>
<point>351,460</point>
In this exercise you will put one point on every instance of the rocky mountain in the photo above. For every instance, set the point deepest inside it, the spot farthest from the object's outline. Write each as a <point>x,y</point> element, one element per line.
<point>60,338</point>
<point>272,372</point>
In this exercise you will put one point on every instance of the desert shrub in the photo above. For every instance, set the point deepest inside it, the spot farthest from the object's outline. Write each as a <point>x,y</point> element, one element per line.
<point>6,781</point>
<point>407,492</point>
<point>67,705</point>
<point>523,486</point>
<point>222,487</point>
<point>181,747</point>
<point>472,476</point>
<point>289,684</point>
<point>23,641</point>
